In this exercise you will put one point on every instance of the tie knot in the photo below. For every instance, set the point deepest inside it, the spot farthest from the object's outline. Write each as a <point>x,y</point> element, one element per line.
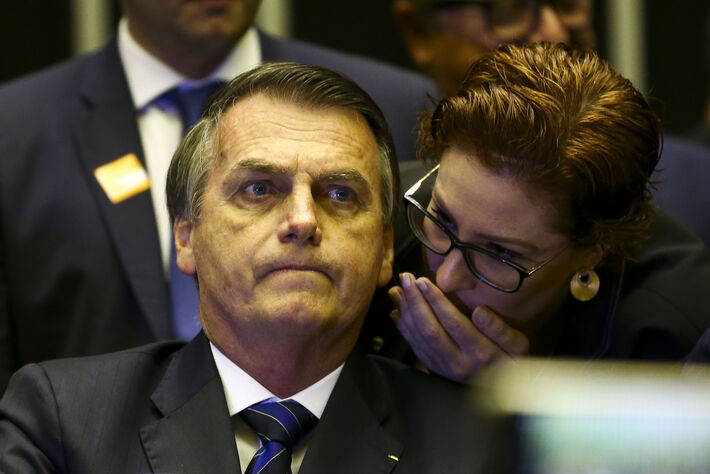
<point>286,422</point>
<point>189,101</point>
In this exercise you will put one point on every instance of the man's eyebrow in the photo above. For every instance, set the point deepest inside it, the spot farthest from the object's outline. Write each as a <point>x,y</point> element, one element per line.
<point>260,166</point>
<point>345,174</point>
<point>348,175</point>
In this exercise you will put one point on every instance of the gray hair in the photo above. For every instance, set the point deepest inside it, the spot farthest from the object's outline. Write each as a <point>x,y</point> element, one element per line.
<point>306,85</point>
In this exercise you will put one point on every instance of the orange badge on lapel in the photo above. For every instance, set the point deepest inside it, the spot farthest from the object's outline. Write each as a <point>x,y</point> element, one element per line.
<point>122,178</point>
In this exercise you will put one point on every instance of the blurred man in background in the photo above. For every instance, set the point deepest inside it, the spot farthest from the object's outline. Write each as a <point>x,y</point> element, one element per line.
<point>445,36</point>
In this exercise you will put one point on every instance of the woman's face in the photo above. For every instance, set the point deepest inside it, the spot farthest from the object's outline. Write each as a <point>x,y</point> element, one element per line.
<point>501,213</point>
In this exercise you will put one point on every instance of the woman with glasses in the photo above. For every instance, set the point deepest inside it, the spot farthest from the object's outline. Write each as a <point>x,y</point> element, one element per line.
<point>535,222</point>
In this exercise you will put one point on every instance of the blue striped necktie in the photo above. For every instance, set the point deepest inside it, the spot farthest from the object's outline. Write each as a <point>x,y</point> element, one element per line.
<point>279,426</point>
<point>189,103</point>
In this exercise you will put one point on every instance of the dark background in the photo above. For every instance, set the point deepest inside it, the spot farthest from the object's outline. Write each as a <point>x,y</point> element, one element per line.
<point>36,33</point>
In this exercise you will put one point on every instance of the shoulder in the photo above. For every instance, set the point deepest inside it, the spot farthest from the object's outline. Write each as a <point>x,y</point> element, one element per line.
<point>38,104</point>
<point>419,388</point>
<point>681,172</point>
<point>53,82</point>
<point>106,375</point>
<point>364,71</point>
<point>664,290</point>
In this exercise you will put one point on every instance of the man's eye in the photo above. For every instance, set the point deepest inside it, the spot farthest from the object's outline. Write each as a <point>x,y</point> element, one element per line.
<point>257,189</point>
<point>341,194</point>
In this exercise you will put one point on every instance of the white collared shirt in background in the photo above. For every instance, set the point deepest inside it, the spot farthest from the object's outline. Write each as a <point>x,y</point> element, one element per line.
<point>242,391</point>
<point>161,130</point>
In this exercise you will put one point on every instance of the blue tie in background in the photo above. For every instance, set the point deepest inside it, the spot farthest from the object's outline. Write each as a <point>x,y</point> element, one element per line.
<point>279,426</point>
<point>189,102</point>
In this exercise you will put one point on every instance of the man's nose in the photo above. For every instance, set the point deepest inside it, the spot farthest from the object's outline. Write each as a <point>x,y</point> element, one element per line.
<point>550,27</point>
<point>453,274</point>
<point>300,224</point>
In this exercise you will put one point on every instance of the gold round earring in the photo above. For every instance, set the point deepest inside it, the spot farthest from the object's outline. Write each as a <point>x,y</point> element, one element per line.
<point>584,285</point>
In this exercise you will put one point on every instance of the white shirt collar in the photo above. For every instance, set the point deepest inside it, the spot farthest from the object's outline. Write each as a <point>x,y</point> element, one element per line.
<point>148,77</point>
<point>242,391</point>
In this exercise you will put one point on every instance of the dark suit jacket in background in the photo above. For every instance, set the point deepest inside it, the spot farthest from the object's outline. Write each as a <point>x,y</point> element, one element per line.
<point>161,408</point>
<point>684,175</point>
<point>79,275</point>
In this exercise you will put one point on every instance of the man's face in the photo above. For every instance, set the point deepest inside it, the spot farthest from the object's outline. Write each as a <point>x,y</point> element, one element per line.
<point>189,25</point>
<point>290,240</point>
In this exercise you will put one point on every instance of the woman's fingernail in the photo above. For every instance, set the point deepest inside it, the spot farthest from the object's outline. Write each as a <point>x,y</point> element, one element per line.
<point>421,284</point>
<point>406,281</point>
<point>395,295</point>
<point>481,316</point>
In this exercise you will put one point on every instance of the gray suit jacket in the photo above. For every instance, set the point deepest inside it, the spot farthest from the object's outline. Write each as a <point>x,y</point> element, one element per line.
<point>161,408</point>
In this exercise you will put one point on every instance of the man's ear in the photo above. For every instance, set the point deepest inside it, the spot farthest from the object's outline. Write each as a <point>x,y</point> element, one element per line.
<point>387,256</point>
<point>182,234</point>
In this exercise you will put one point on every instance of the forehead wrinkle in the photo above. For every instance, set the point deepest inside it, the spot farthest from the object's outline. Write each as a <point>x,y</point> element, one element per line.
<point>251,164</point>
<point>306,124</point>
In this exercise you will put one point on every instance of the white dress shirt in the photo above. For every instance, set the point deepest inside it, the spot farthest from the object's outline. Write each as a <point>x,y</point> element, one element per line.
<point>161,130</point>
<point>242,391</point>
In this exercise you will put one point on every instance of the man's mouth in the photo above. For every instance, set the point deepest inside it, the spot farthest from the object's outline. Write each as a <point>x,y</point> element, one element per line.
<point>296,268</point>
<point>279,268</point>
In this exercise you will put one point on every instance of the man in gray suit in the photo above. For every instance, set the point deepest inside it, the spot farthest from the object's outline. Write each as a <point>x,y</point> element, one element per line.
<point>83,269</point>
<point>282,200</point>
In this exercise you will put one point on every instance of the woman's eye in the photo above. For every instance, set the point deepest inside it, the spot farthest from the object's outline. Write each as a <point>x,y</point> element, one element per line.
<point>257,189</point>
<point>502,251</point>
<point>341,194</point>
<point>442,217</point>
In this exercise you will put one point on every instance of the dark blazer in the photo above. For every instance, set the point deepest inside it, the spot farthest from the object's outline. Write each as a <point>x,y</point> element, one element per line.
<point>79,275</point>
<point>161,408</point>
<point>683,172</point>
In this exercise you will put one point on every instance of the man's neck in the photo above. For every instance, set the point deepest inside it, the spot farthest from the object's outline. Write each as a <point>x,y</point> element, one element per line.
<point>288,365</point>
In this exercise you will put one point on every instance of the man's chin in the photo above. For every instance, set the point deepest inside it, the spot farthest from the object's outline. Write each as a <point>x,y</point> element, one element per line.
<point>307,317</point>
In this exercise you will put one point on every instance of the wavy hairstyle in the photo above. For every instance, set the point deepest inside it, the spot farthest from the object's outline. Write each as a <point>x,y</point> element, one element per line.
<point>566,124</point>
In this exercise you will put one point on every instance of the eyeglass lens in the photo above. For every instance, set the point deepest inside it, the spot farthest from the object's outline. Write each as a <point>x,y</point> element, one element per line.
<point>482,265</point>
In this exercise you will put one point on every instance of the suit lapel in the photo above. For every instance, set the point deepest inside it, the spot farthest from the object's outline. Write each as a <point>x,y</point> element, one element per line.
<point>195,433</point>
<point>109,131</point>
<point>358,431</point>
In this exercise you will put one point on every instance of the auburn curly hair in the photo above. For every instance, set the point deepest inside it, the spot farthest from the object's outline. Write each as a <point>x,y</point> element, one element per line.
<point>564,122</point>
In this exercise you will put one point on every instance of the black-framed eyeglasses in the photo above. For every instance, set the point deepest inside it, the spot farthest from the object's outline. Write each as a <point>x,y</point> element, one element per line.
<point>510,21</point>
<point>492,268</point>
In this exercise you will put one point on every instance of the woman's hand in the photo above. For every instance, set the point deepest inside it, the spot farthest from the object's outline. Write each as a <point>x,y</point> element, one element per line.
<point>443,338</point>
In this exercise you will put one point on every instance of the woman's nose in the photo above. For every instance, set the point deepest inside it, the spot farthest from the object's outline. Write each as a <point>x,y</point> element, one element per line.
<point>453,275</point>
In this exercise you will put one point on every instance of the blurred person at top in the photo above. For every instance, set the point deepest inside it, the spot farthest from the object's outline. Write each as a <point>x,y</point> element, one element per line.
<point>445,36</point>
